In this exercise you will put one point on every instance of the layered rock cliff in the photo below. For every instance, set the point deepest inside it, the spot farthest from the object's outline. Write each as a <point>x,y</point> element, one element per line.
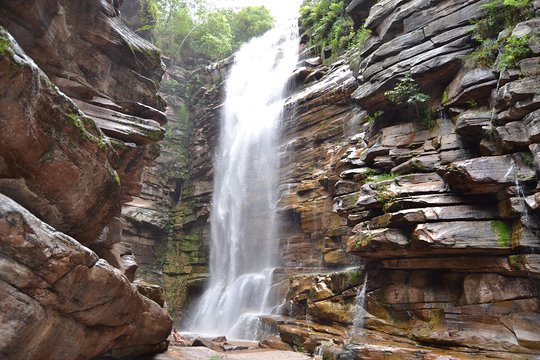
<point>80,120</point>
<point>436,211</point>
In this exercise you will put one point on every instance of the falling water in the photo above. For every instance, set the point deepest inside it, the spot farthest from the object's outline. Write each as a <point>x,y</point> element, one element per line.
<point>360,301</point>
<point>244,241</point>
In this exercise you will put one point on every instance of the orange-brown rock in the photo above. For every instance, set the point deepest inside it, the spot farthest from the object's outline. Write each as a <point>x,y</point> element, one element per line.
<point>54,158</point>
<point>59,300</point>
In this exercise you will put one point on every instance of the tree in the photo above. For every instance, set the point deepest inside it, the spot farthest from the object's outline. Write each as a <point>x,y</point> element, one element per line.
<point>186,28</point>
<point>250,22</point>
<point>213,36</point>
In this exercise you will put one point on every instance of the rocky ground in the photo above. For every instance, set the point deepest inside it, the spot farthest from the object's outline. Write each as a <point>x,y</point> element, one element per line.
<point>201,353</point>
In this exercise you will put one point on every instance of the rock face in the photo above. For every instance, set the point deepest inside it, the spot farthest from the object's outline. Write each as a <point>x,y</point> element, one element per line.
<point>441,221</point>
<point>186,260</point>
<point>57,293</point>
<point>80,121</point>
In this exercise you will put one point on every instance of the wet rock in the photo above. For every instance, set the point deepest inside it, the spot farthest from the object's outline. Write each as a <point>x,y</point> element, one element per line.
<point>487,174</point>
<point>207,343</point>
<point>440,213</point>
<point>275,342</point>
<point>469,84</point>
<point>98,51</point>
<point>470,124</point>
<point>472,235</point>
<point>375,242</point>
<point>512,137</point>
<point>151,291</point>
<point>517,98</point>
<point>532,125</point>
<point>489,288</point>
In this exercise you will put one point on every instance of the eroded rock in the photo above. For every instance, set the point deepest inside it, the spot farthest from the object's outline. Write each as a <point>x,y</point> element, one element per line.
<point>61,301</point>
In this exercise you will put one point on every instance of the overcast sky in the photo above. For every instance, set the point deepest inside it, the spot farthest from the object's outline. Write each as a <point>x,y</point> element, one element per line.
<point>273,5</point>
<point>240,3</point>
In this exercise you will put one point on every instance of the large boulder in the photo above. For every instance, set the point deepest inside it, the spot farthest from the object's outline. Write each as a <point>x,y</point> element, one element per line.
<point>60,301</point>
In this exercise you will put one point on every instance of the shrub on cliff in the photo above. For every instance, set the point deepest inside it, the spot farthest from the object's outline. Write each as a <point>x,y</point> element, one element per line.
<point>408,92</point>
<point>492,33</point>
<point>328,25</point>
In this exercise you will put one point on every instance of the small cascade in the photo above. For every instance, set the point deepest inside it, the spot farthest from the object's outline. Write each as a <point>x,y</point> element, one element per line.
<point>520,194</point>
<point>360,303</point>
<point>493,110</point>
<point>244,238</point>
<point>527,218</point>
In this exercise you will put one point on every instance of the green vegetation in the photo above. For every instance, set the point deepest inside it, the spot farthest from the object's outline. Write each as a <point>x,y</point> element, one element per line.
<point>48,155</point>
<point>500,15</point>
<point>381,177</point>
<point>171,86</point>
<point>189,28</point>
<point>408,92</point>
<point>373,117</point>
<point>384,195</point>
<point>527,159</point>
<point>484,55</point>
<point>472,103</point>
<point>328,25</point>
<point>356,277</point>
<point>513,51</point>
<point>503,232</point>
<point>117,178</point>
<point>4,46</point>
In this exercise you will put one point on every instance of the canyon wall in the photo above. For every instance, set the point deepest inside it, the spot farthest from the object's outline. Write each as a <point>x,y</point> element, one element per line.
<point>437,215</point>
<point>80,121</point>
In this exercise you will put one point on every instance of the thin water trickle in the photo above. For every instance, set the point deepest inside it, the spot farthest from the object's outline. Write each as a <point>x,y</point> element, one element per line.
<point>360,303</point>
<point>244,241</point>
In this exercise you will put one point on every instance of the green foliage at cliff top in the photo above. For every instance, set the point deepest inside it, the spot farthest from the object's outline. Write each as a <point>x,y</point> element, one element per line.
<point>189,28</point>
<point>492,34</point>
<point>328,25</point>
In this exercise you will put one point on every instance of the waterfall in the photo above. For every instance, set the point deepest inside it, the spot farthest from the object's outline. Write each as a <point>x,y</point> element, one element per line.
<point>360,303</point>
<point>244,241</point>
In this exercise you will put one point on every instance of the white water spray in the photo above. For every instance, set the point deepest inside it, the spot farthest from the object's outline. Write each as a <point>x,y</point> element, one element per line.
<point>360,303</point>
<point>244,241</point>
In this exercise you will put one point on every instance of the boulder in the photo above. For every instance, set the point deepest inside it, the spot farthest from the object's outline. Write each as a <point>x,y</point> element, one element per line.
<point>61,301</point>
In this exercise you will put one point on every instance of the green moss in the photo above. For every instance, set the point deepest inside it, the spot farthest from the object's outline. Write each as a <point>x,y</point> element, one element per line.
<point>503,232</point>
<point>86,129</point>
<point>515,261</point>
<point>527,159</point>
<point>373,117</point>
<point>47,156</point>
<point>383,195</point>
<point>444,99</point>
<point>117,179</point>
<point>381,177</point>
<point>472,103</point>
<point>356,277</point>
<point>5,46</point>
<point>75,120</point>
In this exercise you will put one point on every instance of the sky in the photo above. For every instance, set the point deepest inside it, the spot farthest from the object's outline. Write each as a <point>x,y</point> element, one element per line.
<point>241,3</point>
<point>272,5</point>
